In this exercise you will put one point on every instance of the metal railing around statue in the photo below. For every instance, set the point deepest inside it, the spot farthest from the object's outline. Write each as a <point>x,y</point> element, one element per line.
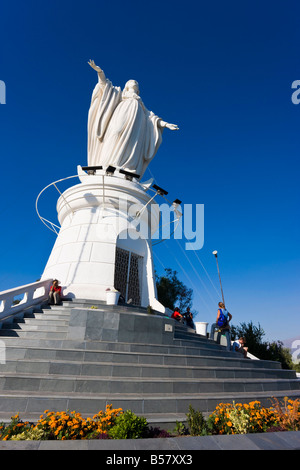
<point>175,205</point>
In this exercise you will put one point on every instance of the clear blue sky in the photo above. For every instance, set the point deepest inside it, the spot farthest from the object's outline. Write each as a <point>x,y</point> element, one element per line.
<point>220,70</point>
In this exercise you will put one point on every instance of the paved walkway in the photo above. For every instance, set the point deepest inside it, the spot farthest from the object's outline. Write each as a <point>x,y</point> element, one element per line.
<point>289,440</point>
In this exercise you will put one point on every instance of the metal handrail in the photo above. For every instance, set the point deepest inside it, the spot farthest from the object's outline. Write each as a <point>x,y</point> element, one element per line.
<point>37,199</point>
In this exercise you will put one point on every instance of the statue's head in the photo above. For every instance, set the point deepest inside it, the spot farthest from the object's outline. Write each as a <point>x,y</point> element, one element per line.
<point>132,85</point>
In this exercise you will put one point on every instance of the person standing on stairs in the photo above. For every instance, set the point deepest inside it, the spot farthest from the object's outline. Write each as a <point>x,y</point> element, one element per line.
<point>222,324</point>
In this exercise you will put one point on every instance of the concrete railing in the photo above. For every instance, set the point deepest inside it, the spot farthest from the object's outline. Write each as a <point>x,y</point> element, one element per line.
<point>33,294</point>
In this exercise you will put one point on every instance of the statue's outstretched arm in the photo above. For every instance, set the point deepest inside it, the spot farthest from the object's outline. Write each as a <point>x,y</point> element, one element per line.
<point>101,74</point>
<point>172,127</point>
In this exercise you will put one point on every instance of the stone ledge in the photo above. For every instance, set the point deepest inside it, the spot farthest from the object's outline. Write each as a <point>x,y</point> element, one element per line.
<point>289,440</point>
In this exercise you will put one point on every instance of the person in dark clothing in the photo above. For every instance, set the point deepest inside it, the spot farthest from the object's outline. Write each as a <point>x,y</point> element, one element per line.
<point>188,316</point>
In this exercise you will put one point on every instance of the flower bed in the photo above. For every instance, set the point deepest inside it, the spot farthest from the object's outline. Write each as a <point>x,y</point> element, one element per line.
<point>228,418</point>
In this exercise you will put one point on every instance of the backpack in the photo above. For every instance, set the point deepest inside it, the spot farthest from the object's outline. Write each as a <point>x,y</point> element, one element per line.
<point>222,321</point>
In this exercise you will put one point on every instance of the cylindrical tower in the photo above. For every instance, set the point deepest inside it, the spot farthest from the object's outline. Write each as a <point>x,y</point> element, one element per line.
<point>105,240</point>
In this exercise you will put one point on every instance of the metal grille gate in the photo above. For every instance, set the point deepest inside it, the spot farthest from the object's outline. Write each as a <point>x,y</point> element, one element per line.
<point>127,275</point>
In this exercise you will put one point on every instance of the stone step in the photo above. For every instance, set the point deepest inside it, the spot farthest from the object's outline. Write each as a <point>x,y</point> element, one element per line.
<point>45,326</point>
<point>38,321</point>
<point>58,309</point>
<point>203,345</point>
<point>140,385</point>
<point>42,320</point>
<point>160,408</point>
<point>48,318</point>
<point>101,305</point>
<point>17,347</point>
<point>50,366</point>
<point>33,333</point>
<point>41,317</point>
<point>113,345</point>
<point>186,335</point>
<point>114,369</point>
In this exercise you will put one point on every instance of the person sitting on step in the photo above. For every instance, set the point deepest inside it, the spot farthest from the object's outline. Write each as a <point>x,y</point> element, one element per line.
<point>239,346</point>
<point>55,293</point>
<point>176,315</point>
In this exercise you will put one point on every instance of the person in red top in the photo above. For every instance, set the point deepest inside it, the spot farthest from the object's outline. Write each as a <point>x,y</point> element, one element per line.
<point>177,315</point>
<point>55,293</point>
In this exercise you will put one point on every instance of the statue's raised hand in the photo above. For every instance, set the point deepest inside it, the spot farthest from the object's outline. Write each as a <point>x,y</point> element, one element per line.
<point>172,127</point>
<point>94,66</point>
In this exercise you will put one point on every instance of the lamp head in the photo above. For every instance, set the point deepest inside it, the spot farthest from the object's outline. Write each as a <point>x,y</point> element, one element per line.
<point>128,174</point>
<point>176,203</point>
<point>110,170</point>
<point>215,253</point>
<point>159,190</point>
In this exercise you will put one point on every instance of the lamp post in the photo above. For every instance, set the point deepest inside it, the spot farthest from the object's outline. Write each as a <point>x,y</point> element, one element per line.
<point>216,255</point>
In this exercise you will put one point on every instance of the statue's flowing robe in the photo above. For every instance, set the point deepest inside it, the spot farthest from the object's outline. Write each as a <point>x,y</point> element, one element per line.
<point>121,131</point>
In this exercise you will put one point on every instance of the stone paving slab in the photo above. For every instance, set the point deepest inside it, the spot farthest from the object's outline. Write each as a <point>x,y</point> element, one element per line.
<point>289,440</point>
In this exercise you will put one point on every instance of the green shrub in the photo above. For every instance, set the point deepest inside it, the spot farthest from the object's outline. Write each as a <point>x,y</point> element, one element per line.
<point>196,422</point>
<point>128,426</point>
<point>180,429</point>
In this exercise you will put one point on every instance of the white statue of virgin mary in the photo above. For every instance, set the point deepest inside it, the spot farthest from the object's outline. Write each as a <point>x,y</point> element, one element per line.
<point>121,131</point>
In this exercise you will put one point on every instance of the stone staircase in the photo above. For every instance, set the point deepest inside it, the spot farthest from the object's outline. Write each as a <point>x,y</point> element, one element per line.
<point>74,357</point>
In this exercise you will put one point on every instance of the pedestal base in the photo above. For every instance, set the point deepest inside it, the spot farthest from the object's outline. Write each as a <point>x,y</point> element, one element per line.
<point>102,242</point>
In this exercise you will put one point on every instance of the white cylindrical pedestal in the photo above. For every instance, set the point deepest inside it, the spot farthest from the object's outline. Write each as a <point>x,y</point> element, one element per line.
<point>201,328</point>
<point>112,298</point>
<point>99,217</point>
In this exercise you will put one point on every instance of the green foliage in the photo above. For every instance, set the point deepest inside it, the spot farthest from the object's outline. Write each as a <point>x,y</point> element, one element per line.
<point>15,427</point>
<point>253,335</point>
<point>171,292</point>
<point>262,349</point>
<point>240,418</point>
<point>33,434</point>
<point>180,429</point>
<point>150,310</point>
<point>128,426</point>
<point>276,352</point>
<point>296,367</point>
<point>196,422</point>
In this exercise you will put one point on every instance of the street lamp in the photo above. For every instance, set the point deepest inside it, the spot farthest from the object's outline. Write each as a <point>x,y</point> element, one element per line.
<point>216,255</point>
